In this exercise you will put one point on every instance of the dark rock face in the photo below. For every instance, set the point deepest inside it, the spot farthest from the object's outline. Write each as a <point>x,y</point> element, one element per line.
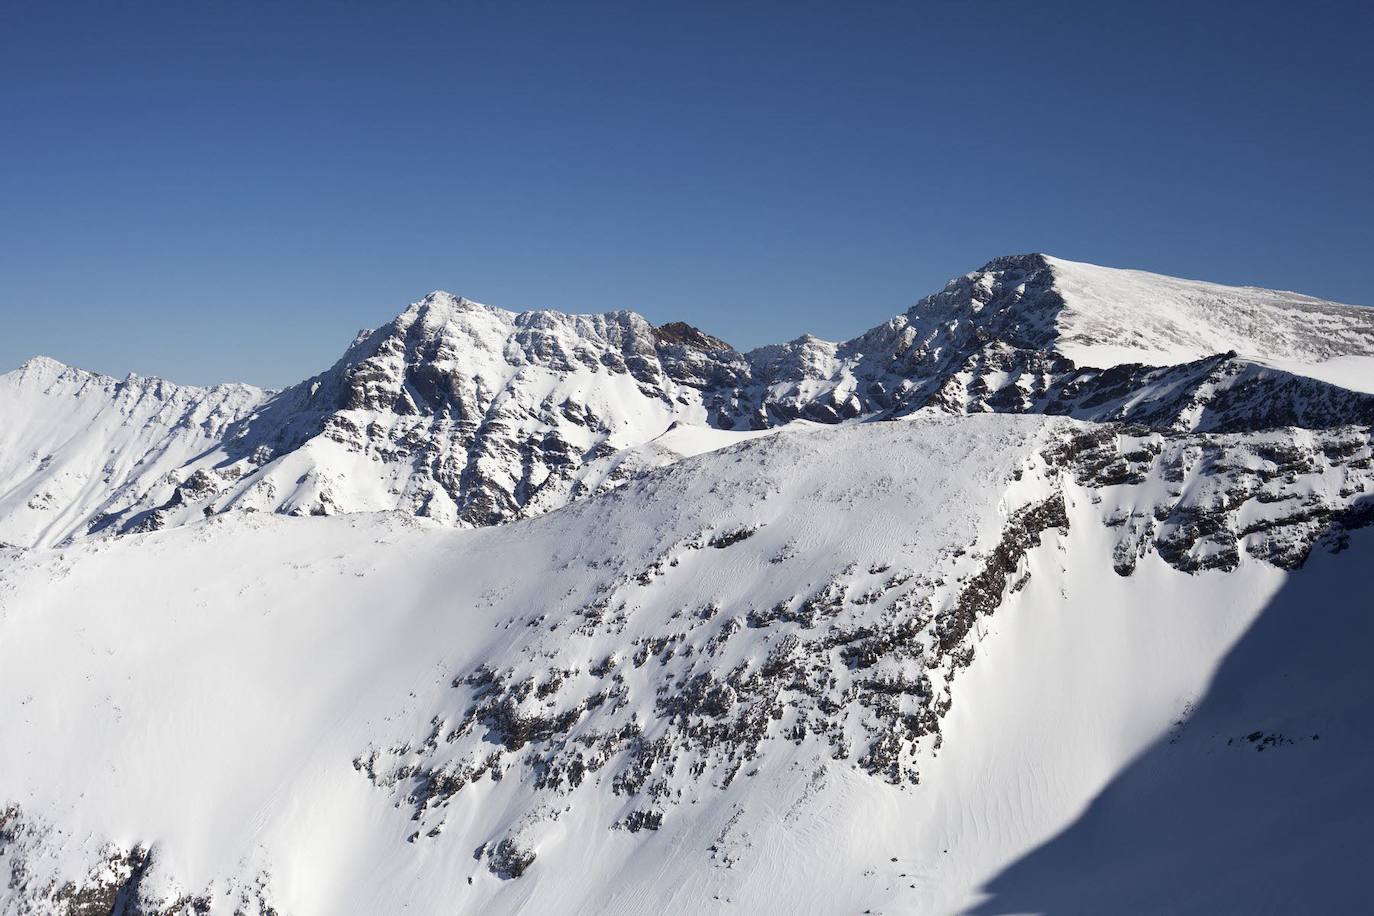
<point>1217,394</point>
<point>682,334</point>
<point>510,858</point>
<point>1274,496</point>
<point>114,886</point>
<point>984,591</point>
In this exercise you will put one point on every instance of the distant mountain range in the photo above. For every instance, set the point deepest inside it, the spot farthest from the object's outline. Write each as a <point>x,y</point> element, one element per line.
<point>472,415</point>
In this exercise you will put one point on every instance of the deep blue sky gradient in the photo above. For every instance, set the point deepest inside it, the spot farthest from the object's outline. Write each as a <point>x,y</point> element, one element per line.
<point>217,191</point>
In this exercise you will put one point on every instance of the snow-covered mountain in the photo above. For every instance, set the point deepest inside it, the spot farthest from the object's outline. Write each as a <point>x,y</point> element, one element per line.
<point>472,415</point>
<point>1048,595</point>
<point>75,445</point>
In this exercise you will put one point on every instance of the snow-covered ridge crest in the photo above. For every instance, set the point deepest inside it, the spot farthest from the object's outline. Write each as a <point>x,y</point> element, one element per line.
<point>472,415</point>
<point>39,371</point>
<point>1112,316</point>
<point>76,444</point>
<point>1102,317</point>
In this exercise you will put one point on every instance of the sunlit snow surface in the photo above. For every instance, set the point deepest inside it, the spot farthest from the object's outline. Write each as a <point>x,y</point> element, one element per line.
<point>819,628</point>
<point>205,692</point>
<point>1114,316</point>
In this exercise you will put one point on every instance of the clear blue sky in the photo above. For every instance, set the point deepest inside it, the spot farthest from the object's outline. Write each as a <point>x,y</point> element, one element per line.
<point>228,190</point>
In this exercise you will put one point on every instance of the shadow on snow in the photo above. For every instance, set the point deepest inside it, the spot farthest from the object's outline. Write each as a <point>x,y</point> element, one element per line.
<point>1263,800</point>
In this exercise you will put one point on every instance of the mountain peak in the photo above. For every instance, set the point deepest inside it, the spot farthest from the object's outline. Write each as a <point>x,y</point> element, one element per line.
<point>45,364</point>
<point>441,306</point>
<point>45,370</point>
<point>1025,262</point>
<point>1106,316</point>
<point>680,332</point>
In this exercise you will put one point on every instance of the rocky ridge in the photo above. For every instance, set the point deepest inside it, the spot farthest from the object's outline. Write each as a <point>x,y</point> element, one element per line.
<point>472,415</point>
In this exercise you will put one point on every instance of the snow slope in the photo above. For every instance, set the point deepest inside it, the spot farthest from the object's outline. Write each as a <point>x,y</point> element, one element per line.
<point>744,683</point>
<point>75,444</point>
<point>1255,801</point>
<point>1112,316</point>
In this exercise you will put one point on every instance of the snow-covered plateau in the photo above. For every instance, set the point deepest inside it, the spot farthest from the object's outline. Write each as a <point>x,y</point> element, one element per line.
<point>1051,594</point>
